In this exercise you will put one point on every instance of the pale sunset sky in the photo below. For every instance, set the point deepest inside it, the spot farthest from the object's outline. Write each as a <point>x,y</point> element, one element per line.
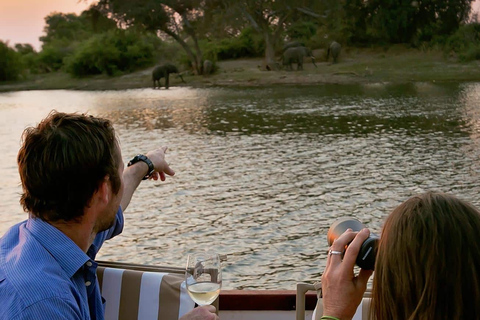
<point>22,21</point>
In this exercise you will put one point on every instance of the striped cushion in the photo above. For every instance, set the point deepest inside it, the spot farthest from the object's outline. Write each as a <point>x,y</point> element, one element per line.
<point>132,294</point>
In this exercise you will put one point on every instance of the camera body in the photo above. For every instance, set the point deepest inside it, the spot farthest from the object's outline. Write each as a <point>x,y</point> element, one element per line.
<point>368,251</point>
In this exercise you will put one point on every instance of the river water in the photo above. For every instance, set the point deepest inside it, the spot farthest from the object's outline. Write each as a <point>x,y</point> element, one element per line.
<point>263,172</point>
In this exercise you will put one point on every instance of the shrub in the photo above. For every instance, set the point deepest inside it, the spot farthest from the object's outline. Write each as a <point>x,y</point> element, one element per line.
<point>111,53</point>
<point>247,44</point>
<point>302,30</point>
<point>10,64</point>
<point>52,55</point>
<point>470,54</point>
<point>465,42</point>
<point>28,57</point>
<point>30,62</point>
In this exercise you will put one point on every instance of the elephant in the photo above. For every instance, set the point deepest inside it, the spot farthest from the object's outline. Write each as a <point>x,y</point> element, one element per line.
<point>296,55</point>
<point>164,71</point>
<point>292,44</point>
<point>207,67</point>
<point>334,48</point>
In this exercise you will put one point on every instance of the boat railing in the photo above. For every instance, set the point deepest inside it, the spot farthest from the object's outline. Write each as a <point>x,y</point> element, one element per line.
<point>140,267</point>
<point>126,280</point>
<point>363,309</point>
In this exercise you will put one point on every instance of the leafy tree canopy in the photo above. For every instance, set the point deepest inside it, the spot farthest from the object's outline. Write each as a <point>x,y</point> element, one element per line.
<point>404,21</point>
<point>175,18</point>
<point>71,27</point>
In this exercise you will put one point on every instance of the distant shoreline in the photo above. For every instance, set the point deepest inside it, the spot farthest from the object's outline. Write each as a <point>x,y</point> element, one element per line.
<point>356,66</point>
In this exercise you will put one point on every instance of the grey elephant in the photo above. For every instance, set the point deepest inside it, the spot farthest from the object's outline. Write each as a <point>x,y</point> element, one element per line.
<point>292,44</point>
<point>296,55</point>
<point>164,71</point>
<point>334,49</point>
<point>207,67</point>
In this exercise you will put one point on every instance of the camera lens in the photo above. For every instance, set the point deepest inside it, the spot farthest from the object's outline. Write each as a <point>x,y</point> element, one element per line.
<point>368,250</point>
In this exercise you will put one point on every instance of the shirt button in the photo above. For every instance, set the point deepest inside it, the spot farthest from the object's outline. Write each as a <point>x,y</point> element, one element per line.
<point>89,263</point>
<point>88,283</point>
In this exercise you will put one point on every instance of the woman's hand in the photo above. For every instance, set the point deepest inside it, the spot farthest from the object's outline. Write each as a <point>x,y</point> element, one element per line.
<point>342,290</point>
<point>201,313</point>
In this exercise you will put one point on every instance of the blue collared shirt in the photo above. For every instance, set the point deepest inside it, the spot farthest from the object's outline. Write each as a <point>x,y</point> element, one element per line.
<point>44,275</point>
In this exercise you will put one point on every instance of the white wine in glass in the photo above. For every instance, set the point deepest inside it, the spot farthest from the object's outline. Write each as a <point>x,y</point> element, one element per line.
<point>203,277</point>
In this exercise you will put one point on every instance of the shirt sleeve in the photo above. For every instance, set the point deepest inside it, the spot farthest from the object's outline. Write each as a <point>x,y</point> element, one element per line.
<point>50,308</point>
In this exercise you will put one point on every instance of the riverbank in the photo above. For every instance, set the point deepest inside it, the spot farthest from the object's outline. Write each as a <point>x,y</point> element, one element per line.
<point>393,65</point>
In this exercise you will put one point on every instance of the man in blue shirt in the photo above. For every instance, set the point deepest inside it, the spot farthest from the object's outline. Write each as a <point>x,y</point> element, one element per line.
<point>75,190</point>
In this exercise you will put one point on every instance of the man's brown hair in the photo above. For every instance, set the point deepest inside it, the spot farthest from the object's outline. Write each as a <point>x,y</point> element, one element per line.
<point>63,161</point>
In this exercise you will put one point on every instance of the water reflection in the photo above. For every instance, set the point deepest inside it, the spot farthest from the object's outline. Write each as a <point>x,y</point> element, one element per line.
<point>263,172</point>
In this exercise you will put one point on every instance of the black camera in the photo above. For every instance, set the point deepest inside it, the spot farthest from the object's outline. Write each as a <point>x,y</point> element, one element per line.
<point>368,251</point>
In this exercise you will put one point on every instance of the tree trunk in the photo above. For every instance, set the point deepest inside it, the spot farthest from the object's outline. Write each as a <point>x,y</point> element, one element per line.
<point>198,56</point>
<point>270,41</point>
<point>197,64</point>
<point>270,63</point>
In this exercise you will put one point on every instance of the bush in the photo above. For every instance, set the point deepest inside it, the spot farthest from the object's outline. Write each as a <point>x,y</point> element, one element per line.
<point>247,44</point>
<point>52,55</point>
<point>29,61</point>
<point>28,57</point>
<point>302,31</point>
<point>112,53</point>
<point>465,42</point>
<point>10,63</point>
<point>470,54</point>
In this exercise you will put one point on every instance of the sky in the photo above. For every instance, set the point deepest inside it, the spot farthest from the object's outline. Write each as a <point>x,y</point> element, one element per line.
<point>22,21</point>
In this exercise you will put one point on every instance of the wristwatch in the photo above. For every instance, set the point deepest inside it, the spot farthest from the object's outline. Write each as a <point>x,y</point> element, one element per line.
<point>141,157</point>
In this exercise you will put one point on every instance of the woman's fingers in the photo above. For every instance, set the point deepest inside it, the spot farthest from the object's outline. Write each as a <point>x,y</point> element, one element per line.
<point>354,248</point>
<point>337,250</point>
<point>345,248</point>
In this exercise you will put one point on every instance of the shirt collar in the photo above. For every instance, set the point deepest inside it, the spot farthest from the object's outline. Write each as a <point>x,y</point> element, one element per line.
<point>68,255</point>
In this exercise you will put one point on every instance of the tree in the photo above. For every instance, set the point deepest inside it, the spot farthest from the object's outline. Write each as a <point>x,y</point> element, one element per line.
<point>71,27</point>
<point>28,57</point>
<point>354,20</point>
<point>24,48</point>
<point>393,21</point>
<point>404,21</point>
<point>270,18</point>
<point>175,18</point>
<point>111,53</point>
<point>445,17</point>
<point>65,31</point>
<point>10,64</point>
<point>64,26</point>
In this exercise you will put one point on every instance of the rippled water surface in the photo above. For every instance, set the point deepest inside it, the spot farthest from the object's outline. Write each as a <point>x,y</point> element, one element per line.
<point>263,172</point>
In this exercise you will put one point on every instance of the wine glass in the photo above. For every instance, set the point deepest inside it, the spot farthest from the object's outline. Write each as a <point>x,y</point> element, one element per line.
<point>203,277</point>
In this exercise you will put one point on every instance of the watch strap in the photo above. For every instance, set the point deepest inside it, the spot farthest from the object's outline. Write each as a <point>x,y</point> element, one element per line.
<point>143,158</point>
